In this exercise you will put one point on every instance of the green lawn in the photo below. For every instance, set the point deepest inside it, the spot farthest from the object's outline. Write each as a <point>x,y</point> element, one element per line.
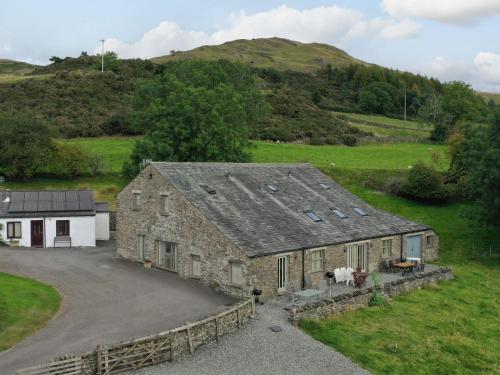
<point>114,150</point>
<point>449,329</point>
<point>25,306</point>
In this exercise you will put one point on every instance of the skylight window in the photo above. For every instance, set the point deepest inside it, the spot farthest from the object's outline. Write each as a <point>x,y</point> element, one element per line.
<point>272,188</point>
<point>360,211</point>
<point>208,189</point>
<point>324,186</point>
<point>312,216</point>
<point>339,213</point>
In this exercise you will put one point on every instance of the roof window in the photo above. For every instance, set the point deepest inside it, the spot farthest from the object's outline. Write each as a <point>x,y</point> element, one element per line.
<point>313,216</point>
<point>360,211</point>
<point>339,213</point>
<point>272,188</point>
<point>208,189</point>
<point>324,185</point>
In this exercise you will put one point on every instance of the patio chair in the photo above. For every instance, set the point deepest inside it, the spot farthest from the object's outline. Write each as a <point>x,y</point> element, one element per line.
<point>339,275</point>
<point>421,267</point>
<point>385,266</point>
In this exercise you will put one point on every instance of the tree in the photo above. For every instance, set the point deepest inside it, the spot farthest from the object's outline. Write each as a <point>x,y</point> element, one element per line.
<point>193,123</point>
<point>424,184</point>
<point>25,142</point>
<point>111,62</point>
<point>475,157</point>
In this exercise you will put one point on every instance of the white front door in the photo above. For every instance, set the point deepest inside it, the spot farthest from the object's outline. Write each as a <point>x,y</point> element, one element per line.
<point>357,256</point>
<point>282,273</point>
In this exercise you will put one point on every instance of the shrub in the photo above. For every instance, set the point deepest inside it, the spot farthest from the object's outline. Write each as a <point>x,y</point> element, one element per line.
<point>348,140</point>
<point>425,184</point>
<point>377,299</point>
<point>65,160</point>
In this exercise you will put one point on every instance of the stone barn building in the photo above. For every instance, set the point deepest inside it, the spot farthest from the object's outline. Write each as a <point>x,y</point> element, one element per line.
<point>242,226</point>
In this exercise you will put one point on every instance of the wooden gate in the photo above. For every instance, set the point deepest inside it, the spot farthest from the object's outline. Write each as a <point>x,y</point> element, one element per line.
<point>133,355</point>
<point>70,366</point>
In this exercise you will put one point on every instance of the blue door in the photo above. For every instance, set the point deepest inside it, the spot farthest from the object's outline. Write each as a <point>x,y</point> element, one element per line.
<point>413,244</point>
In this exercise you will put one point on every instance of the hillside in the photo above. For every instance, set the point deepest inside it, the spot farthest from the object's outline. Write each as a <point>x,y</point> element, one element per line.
<point>15,67</point>
<point>490,95</point>
<point>277,53</point>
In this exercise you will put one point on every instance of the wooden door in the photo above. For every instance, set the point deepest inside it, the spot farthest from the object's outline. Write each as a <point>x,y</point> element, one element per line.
<point>36,233</point>
<point>413,244</point>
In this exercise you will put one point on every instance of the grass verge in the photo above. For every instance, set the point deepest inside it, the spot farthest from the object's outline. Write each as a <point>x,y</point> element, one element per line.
<point>25,306</point>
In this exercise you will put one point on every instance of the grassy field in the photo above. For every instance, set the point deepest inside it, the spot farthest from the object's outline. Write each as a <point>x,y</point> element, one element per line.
<point>383,126</point>
<point>449,329</point>
<point>116,150</point>
<point>11,78</point>
<point>25,306</point>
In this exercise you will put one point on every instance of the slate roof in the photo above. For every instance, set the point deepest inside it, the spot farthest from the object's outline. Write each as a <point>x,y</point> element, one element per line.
<point>19,204</point>
<point>101,207</point>
<point>263,222</point>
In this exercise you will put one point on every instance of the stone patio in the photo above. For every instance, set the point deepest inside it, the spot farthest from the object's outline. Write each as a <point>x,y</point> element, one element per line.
<point>341,288</point>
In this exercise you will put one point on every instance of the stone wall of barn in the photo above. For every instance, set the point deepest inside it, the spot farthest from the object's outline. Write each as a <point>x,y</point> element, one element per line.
<point>183,225</point>
<point>265,268</point>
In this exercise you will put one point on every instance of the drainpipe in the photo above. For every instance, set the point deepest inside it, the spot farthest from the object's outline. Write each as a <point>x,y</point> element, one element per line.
<point>44,236</point>
<point>303,269</point>
<point>401,250</point>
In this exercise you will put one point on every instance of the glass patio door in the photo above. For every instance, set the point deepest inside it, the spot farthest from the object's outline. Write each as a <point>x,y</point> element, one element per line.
<point>282,273</point>
<point>167,255</point>
<point>357,257</point>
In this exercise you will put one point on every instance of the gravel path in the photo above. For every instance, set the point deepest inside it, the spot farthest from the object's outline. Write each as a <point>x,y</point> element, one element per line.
<point>258,350</point>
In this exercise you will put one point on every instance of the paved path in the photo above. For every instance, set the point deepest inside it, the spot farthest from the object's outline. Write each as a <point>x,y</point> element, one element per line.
<point>105,300</point>
<point>258,350</point>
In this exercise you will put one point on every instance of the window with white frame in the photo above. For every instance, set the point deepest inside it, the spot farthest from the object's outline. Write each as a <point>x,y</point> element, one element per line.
<point>429,240</point>
<point>137,200</point>
<point>195,265</point>
<point>165,203</point>
<point>141,247</point>
<point>14,229</point>
<point>317,257</point>
<point>387,248</point>
<point>236,273</point>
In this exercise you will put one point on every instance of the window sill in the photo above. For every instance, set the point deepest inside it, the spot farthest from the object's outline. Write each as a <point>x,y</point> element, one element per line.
<point>136,209</point>
<point>317,271</point>
<point>195,277</point>
<point>239,286</point>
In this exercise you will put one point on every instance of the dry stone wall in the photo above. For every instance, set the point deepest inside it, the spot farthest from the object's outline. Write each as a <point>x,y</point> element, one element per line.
<point>361,298</point>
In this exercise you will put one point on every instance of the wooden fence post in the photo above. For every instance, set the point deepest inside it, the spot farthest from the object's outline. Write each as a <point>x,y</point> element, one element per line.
<point>217,329</point>
<point>190,341</point>
<point>238,316</point>
<point>99,363</point>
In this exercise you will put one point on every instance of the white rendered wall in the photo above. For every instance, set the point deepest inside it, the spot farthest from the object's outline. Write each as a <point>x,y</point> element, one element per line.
<point>82,230</point>
<point>102,226</point>
<point>25,239</point>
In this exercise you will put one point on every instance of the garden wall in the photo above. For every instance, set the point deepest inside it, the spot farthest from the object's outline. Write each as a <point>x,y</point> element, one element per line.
<point>150,350</point>
<point>361,298</point>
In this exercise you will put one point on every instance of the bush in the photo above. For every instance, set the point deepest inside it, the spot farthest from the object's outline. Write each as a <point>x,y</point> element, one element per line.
<point>349,140</point>
<point>65,160</point>
<point>377,299</point>
<point>425,184</point>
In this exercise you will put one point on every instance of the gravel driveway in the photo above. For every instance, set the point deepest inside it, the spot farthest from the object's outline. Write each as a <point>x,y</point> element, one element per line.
<point>105,300</point>
<point>258,350</point>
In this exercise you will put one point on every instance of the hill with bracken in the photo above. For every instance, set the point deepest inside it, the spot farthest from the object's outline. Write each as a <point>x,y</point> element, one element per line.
<point>277,53</point>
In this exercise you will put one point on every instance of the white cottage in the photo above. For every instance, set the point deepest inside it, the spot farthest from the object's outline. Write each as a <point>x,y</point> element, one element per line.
<point>62,218</point>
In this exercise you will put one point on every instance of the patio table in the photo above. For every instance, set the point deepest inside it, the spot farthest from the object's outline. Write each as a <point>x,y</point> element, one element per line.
<point>413,259</point>
<point>405,266</point>
<point>308,293</point>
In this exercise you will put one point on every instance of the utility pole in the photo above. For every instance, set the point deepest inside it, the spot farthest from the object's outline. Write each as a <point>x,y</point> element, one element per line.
<point>405,105</point>
<point>102,55</point>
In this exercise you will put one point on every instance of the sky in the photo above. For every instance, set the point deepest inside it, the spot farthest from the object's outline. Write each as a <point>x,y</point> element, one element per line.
<point>446,39</point>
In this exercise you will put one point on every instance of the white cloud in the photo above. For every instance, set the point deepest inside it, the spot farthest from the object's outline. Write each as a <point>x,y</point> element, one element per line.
<point>335,25</point>
<point>483,72</point>
<point>451,11</point>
